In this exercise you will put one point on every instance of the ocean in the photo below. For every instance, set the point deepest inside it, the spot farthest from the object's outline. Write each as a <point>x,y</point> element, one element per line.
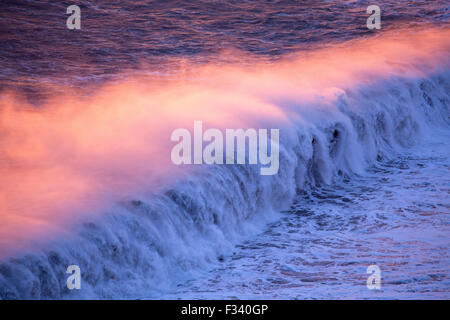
<point>86,118</point>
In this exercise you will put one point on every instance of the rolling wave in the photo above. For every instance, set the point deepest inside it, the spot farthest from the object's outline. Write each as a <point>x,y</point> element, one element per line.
<point>147,224</point>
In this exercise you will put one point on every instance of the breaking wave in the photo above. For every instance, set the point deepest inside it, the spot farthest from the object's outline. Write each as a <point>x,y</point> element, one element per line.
<point>339,110</point>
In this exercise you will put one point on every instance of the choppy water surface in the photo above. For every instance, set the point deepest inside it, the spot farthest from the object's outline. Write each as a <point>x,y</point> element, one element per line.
<point>396,217</point>
<point>121,35</point>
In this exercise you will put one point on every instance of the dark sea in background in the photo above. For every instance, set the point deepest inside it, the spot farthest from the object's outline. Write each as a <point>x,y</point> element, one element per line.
<point>117,36</point>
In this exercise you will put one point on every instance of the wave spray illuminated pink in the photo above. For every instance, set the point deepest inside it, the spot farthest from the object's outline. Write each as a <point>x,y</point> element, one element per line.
<point>75,157</point>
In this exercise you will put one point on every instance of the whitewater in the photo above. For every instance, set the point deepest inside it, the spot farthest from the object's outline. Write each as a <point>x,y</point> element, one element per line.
<point>395,216</point>
<point>96,187</point>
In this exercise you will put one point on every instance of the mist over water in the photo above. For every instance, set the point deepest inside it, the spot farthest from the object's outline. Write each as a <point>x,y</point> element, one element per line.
<point>86,118</point>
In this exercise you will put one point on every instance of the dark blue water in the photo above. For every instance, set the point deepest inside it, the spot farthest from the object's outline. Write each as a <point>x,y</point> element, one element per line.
<point>116,36</point>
